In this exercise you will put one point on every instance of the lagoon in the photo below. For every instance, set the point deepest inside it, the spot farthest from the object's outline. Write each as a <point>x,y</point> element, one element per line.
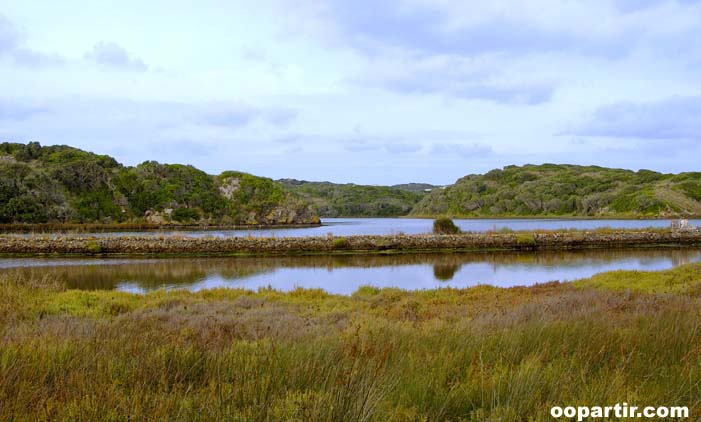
<point>345,274</point>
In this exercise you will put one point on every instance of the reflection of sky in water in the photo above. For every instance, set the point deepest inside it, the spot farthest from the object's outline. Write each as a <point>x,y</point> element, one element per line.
<point>422,276</point>
<point>358,226</point>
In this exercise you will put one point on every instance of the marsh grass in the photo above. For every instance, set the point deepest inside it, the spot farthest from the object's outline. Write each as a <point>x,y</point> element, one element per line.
<point>482,353</point>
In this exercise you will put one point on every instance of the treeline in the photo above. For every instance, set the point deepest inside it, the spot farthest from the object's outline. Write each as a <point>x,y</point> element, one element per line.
<point>567,190</point>
<point>351,200</point>
<point>61,184</point>
<point>64,184</point>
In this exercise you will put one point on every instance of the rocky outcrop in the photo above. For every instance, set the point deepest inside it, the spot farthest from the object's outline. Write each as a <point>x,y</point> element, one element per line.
<point>228,186</point>
<point>297,215</point>
<point>158,217</point>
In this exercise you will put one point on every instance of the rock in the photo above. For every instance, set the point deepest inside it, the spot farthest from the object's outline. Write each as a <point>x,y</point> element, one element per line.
<point>156,217</point>
<point>228,186</point>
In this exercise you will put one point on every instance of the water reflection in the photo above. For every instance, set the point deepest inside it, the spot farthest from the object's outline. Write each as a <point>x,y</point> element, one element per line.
<point>344,274</point>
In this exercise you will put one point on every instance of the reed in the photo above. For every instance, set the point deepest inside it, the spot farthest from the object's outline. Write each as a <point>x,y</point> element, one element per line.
<point>482,353</point>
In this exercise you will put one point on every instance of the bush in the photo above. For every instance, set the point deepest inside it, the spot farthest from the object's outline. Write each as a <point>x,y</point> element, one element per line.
<point>340,243</point>
<point>94,247</point>
<point>185,215</point>
<point>444,225</point>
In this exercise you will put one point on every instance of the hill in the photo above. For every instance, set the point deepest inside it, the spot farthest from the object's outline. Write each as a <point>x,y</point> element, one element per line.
<point>351,200</point>
<point>61,184</point>
<point>566,190</point>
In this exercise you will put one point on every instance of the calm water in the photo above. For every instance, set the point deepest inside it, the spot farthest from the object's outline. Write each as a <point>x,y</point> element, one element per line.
<point>344,274</point>
<point>358,226</point>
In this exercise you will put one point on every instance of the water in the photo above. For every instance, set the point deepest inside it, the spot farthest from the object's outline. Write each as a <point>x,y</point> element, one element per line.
<point>345,274</point>
<point>360,226</point>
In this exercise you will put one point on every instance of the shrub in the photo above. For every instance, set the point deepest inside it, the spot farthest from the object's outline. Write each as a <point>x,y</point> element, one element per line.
<point>340,243</point>
<point>526,239</point>
<point>94,247</point>
<point>184,215</point>
<point>444,225</point>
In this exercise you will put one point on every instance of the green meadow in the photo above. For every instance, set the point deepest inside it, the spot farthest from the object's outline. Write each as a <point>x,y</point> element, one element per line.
<point>476,354</point>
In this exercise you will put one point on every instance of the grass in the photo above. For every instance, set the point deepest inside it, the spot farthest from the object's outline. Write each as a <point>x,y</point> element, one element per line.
<point>482,353</point>
<point>680,280</point>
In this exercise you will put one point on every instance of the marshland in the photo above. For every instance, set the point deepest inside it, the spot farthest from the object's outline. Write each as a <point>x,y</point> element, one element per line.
<point>480,353</point>
<point>363,211</point>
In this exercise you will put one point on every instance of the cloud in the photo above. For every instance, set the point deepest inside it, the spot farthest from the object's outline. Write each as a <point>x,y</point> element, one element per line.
<point>113,55</point>
<point>9,36</point>
<point>231,115</point>
<point>227,117</point>
<point>11,45</point>
<point>403,148</point>
<point>31,58</point>
<point>672,118</point>
<point>478,79</point>
<point>610,30</point>
<point>469,28</point>
<point>164,120</point>
<point>631,6</point>
<point>516,93</point>
<point>13,110</point>
<point>468,150</point>
<point>365,143</point>
<point>280,116</point>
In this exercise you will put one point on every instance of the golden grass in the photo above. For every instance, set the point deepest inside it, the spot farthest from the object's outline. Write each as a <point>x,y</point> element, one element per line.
<point>481,353</point>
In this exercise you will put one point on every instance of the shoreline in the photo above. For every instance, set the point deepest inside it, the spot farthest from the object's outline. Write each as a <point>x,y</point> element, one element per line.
<point>127,227</point>
<point>554,217</point>
<point>362,244</point>
<point>87,228</point>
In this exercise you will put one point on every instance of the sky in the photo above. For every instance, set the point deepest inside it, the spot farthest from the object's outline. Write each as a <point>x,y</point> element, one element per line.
<point>363,91</point>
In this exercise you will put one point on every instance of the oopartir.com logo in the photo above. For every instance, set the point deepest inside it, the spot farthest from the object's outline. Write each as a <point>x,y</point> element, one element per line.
<point>619,411</point>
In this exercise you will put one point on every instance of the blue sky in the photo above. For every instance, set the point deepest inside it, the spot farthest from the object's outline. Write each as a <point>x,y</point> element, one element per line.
<point>358,91</point>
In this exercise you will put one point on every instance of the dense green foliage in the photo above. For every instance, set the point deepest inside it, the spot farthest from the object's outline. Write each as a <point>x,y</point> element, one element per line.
<point>476,354</point>
<point>351,200</point>
<point>444,225</point>
<point>567,190</point>
<point>64,184</point>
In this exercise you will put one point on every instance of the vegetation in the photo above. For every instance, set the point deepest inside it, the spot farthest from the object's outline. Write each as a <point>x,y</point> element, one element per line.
<point>482,354</point>
<point>61,184</point>
<point>351,200</point>
<point>567,190</point>
<point>444,225</point>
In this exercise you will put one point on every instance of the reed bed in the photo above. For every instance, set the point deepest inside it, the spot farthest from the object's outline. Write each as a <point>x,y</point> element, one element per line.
<point>476,354</point>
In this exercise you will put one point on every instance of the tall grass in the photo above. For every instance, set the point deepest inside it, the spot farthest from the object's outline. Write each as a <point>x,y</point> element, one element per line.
<point>382,354</point>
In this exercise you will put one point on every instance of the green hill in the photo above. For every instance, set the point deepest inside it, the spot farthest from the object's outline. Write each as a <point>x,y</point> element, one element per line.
<point>566,190</point>
<point>351,200</point>
<point>61,184</point>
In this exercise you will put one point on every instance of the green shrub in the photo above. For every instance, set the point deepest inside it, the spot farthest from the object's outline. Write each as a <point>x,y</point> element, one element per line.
<point>526,239</point>
<point>184,215</point>
<point>94,247</point>
<point>340,243</point>
<point>444,225</point>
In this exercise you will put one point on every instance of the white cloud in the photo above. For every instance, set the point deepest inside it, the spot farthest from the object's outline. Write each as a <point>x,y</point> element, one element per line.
<point>113,55</point>
<point>364,91</point>
<point>672,118</point>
